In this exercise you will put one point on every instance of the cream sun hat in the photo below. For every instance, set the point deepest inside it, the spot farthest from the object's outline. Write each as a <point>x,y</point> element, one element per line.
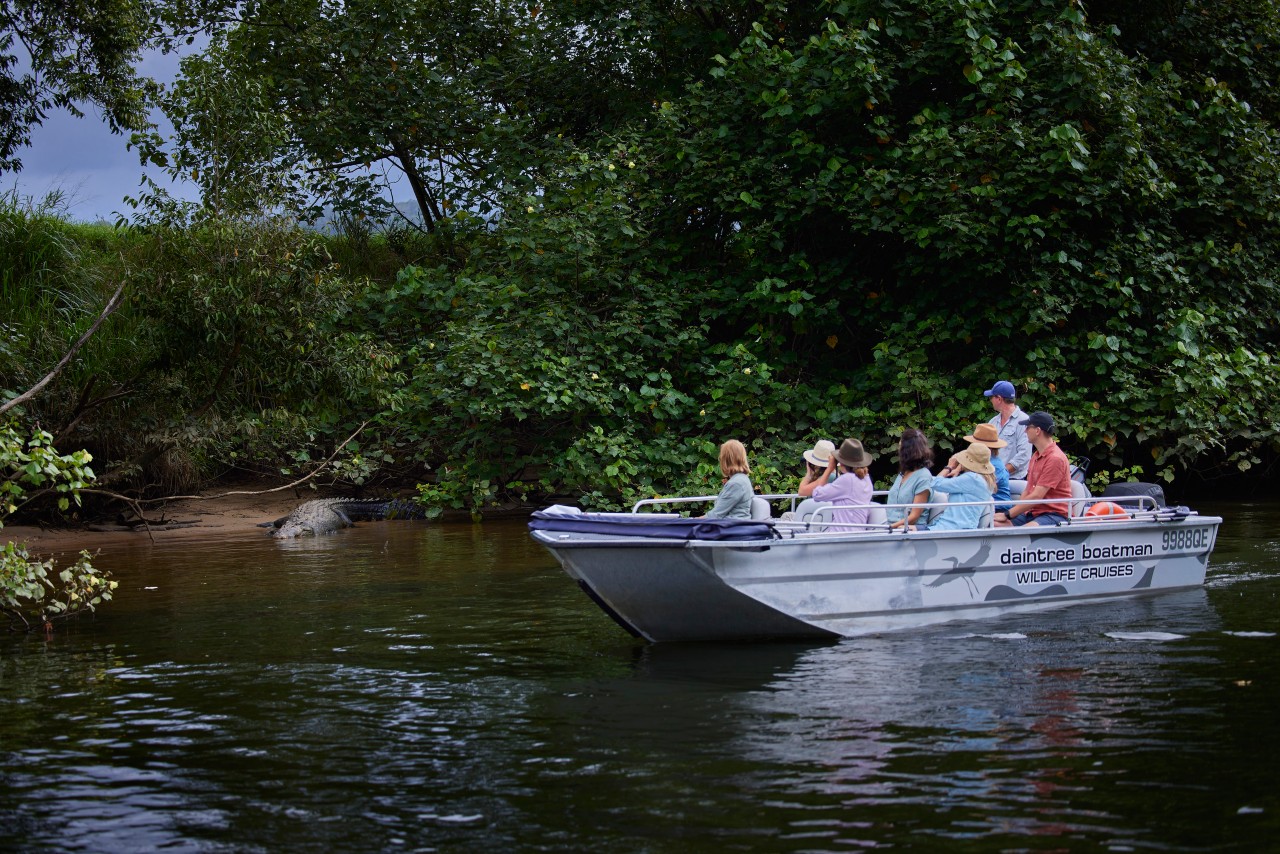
<point>820,453</point>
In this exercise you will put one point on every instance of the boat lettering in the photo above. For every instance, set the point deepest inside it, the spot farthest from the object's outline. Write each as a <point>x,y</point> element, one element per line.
<point>1013,558</point>
<point>1196,538</point>
<point>1118,550</point>
<point>1045,576</point>
<point>1119,570</point>
<point>1071,573</point>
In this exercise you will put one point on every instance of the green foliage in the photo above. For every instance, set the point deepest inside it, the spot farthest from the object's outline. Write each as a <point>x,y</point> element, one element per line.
<point>31,594</point>
<point>653,228</point>
<point>62,54</point>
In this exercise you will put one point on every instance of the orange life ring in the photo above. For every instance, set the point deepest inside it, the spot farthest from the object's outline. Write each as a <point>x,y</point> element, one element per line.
<point>1106,508</point>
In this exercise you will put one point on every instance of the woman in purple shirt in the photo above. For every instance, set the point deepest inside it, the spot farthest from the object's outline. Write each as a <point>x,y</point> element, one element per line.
<point>850,493</point>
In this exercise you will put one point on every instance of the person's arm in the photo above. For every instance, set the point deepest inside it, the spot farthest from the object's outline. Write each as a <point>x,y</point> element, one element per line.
<point>813,481</point>
<point>1033,494</point>
<point>951,469</point>
<point>921,501</point>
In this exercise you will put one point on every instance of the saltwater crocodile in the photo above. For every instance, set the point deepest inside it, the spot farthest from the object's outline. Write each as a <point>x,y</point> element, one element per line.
<point>326,515</point>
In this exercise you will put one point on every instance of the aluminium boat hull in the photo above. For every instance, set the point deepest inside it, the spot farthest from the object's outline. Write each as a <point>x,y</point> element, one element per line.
<point>831,585</point>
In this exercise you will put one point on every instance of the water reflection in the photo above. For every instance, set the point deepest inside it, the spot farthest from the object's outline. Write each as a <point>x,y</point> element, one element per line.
<point>411,687</point>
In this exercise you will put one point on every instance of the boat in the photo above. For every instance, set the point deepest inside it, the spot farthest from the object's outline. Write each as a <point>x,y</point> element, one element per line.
<point>666,577</point>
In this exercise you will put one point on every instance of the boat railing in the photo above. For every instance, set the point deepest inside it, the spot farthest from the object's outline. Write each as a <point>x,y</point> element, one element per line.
<point>820,521</point>
<point>700,499</point>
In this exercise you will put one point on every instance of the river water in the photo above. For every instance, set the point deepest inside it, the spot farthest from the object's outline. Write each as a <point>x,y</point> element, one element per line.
<point>408,687</point>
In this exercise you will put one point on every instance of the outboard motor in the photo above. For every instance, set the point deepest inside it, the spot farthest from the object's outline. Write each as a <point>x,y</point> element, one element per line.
<point>1132,488</point>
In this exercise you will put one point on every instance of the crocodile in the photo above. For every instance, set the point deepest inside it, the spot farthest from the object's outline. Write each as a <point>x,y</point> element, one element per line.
<point>326,515</point>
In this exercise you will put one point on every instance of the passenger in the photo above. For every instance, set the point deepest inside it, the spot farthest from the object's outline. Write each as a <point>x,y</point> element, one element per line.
<point>816,468</point>
<point>913,483</point>
<point>985,434</point>
<point>1008,423</point>
<point>734,500</point>
<point>1048,477</point>
<point>969,477</point>
<point>851,492</point>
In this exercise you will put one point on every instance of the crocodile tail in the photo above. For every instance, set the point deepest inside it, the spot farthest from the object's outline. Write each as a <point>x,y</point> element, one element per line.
<point>399,508</point>
<point>360,510</point>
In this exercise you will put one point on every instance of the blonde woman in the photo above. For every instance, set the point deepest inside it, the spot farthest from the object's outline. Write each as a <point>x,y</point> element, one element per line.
<point>734,500</point>
<point>969,477</point>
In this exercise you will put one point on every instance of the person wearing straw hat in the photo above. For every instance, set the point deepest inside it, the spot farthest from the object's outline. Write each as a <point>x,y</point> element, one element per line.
<point>986,434</point>
<point>968,482</point>
<point>815,464</point>
<point>850,494</point>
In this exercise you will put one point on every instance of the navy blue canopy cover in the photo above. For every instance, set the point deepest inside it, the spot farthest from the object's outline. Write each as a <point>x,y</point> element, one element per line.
<point>670,528</point>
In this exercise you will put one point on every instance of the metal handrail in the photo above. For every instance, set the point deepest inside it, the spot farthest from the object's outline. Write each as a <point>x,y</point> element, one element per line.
<point>1143,504</point>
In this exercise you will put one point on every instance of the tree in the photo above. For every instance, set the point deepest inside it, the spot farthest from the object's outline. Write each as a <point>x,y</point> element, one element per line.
<point>62,54</point>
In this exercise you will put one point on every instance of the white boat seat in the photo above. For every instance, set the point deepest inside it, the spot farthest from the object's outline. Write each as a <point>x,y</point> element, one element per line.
<point>1079,490</point>
<point>760,509</point>
<point>877,515</point>
<point>988,517</point>
<point>805,509</point>
<point>934,510</point>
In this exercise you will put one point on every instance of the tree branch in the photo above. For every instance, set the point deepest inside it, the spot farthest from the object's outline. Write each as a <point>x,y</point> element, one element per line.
<point>111,306</point>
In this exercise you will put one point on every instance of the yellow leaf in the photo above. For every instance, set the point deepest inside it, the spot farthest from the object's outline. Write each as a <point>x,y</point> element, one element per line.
<point>832,341</point>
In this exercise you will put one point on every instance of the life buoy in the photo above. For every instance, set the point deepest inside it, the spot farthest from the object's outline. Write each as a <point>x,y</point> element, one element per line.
<point>1106,508</point>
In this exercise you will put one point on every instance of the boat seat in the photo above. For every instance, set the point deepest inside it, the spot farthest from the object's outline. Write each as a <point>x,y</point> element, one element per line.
<point>1079,490</point>
<point>988,517</point>
<point>877,515</point>
<point>760,509</point>
<point>934,508</point>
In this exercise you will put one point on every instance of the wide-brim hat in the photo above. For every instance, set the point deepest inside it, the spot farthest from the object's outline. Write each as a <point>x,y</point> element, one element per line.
<point>977,457</point>
<point>853,455</point>
<point>986,434</point>
<point>820,453</point>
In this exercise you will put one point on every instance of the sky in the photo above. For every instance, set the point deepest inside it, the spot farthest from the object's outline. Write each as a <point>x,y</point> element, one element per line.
<point>92,167</point>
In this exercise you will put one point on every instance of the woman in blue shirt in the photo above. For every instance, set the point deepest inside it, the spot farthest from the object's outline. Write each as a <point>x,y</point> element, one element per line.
<point>988,435</point>
<point>968,478</point>
<point>911,486</point>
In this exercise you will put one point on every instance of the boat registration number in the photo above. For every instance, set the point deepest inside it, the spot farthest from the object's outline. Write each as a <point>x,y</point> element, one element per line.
<point>1196,538</point>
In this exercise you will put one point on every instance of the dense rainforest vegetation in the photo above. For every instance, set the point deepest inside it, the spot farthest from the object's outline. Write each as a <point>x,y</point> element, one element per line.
<point>641,228</point>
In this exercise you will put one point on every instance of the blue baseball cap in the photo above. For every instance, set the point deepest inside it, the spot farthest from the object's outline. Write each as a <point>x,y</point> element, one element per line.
<point>1004,389</point>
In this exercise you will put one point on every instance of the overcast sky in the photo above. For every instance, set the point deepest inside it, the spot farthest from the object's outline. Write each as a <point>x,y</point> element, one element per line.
<point>89,164</point>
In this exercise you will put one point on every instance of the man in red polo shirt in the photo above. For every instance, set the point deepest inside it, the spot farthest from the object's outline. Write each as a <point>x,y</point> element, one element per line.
<point>1048,478</point>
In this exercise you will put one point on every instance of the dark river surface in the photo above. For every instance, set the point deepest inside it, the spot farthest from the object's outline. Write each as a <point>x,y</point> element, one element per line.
<point>410,686</point>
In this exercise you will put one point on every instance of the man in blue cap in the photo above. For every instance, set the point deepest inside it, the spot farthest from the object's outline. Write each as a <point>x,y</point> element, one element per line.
<point>1008,423</point>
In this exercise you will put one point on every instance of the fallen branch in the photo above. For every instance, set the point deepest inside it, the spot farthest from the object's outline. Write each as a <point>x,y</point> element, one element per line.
<point>111,306</point>
<point>297,482</point>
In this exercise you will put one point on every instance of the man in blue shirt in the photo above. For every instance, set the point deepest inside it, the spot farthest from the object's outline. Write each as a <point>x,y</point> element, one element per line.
<point>1008,424</point>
